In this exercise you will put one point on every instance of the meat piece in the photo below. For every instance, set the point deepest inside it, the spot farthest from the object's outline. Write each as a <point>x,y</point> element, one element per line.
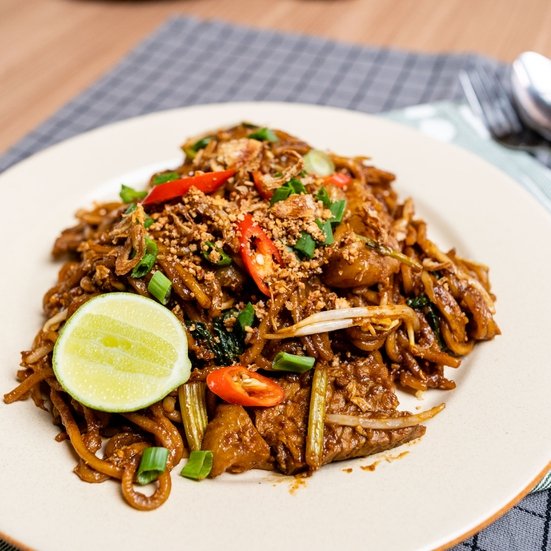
<point>235,443</point>
<point>241,154</point>
<point>296,206</point>
<point>360,387</point>
<point>69,241</point>
<point>284,426</point>
<point>354,265</point>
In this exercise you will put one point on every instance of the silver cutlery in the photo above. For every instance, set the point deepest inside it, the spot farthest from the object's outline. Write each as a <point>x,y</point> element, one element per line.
<point>492,102</point>
<point>531,87</point>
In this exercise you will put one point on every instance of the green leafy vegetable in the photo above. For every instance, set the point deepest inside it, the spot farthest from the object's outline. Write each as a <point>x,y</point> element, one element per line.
<point>226,345</point>
<point>422,304</point>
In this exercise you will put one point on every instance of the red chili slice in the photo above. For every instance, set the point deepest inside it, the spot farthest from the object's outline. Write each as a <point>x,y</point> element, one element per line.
<point>263,191</point>
<point>207,183</point>
<point>258,252</point>
<point>238,385</point>
<point>339,179</point>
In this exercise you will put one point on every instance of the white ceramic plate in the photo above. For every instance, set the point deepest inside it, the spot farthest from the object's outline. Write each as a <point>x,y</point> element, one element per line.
<point>479,456</point>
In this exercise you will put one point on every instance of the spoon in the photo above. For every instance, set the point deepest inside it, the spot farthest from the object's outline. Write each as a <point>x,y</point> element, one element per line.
<point>531,85</point>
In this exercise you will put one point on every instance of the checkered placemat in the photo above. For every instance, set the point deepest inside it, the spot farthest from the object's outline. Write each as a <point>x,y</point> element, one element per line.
<point>187,62</point>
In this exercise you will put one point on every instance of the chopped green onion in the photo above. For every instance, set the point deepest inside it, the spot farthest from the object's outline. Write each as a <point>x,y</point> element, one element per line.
<point>148,222</point>
<point>131,208</point>
<point>319,163</point>
<point>337,210</point>
<point>147,261</point>
<point>222,259</point>
<point>193,407</point>
<point>316,418</point>
<point>327,230</point>
<point>152,464</point>
<point>202,143</point>
<point>199,144</point>
<point>263,135</point>
<point>159,286</point>
<point>165,177</point>
<point>130,195</point>
<point>280,194</point>
<point>198,465</point>
<point>305,245</point>
<point>294,185</point>
<point>284,361</point>
<point>245,318</point>
<point>323,196</point>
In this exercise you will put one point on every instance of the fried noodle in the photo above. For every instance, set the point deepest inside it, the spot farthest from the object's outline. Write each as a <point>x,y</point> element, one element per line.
<point>379,308</point>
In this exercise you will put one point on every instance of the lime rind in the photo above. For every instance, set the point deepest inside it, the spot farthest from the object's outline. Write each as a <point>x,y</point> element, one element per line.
<point>121,352</point>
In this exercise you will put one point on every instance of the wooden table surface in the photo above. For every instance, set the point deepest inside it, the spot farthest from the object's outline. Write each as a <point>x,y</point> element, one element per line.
<point>53,49</point>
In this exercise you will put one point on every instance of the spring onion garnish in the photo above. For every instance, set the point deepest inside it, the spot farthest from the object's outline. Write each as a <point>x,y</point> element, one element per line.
<point>193,407</point>
<point>165,177</point>
<point>316,418</point>
<point>284,361</point>
<point>327,230</point>
<point>131,208</point>
<point>387,251</point>
<point>336,207</point>
<point>147,261</point>
<point>263,135</point>
<point>198,465</point>
<point>148,222</point>
<point>152,464</point>
<point>323,196</point>
<point>130,195</point>
<point>305,245</point>
<point>245,318</point>
<point>294,185</point>
<point>384,423</point>
<point>159,286</point>
<point>337,210</point>
<point>318,162</point>
<point>199,144</point>
<point>219,258</point>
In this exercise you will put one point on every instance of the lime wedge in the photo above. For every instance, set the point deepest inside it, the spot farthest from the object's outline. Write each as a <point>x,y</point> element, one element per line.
<point>121,352</point>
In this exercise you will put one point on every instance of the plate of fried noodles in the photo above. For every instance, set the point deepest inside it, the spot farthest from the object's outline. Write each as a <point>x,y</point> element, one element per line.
<point>364,311</point>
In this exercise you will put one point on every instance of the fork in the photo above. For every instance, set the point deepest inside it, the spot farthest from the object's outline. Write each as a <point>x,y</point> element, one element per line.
<point>491,101</point>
